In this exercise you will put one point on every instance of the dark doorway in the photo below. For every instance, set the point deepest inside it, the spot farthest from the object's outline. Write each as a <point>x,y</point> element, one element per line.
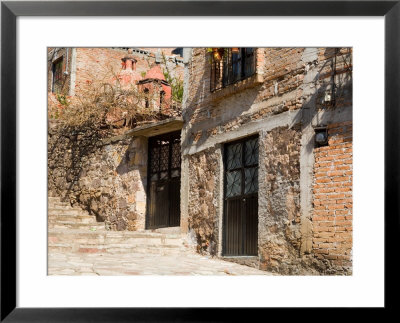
<point>164,181</point>
<point>240,223</point>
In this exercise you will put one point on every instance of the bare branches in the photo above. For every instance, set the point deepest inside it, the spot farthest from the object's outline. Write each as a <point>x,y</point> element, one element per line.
<point>107,101</point>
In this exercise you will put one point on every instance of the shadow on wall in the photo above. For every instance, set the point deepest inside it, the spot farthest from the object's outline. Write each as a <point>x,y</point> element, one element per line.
<point>205,112</point>
<point>206,117</point>
<point>109,180</point>
<point>327,87</point>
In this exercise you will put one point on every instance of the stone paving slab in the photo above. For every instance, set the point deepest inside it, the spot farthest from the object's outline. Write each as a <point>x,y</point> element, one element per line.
<point>76,247</point>
<point>143,264</point>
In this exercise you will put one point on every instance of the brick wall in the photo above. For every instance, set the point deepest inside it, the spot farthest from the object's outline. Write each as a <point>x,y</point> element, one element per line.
<point>283,71</point>
<point>279,88</point>
<point>93,63</point>
<point>332,197</point>
<point>278,67</point>
<point>315,211</point>
<point>334,77</point>
<point>101,64</point>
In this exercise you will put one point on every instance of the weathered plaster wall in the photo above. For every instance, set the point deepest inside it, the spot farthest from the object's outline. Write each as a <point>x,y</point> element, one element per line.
<point>108,180</point>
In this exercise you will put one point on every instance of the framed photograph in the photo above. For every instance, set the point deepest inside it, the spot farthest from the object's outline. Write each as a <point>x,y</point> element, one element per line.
<point>151,169</point>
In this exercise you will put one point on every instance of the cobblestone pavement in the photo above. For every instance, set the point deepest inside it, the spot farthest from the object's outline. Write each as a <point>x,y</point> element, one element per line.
<point>141,264</point>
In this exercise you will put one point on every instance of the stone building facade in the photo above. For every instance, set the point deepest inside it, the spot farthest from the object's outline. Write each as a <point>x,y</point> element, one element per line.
<point>257,169</point>
<point>286,98</point>
<point>107,175</point>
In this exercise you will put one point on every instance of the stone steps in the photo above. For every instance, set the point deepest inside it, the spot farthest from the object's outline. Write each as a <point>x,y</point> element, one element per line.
<point>66,211</point>
<point>71,229</point>
<point>77,226</point>
<point>105,242</point>
<point>77,219</point>
<point>115,242</point>
<point>61,215</point>
<point>56,206</point>
<point>117,249</point>
<point>114,236</point>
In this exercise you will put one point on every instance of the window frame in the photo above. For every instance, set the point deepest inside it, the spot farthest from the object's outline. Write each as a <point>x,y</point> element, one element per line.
<point>58,62</point>
<point>222,72</point>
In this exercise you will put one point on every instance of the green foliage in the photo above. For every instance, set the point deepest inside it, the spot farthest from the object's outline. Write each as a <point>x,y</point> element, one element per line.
<point>176,86</point>
<point>175,83</point>
<point>62,99</point>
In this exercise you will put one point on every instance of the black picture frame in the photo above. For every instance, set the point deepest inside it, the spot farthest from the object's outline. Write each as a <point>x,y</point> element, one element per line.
<point>10,10</point>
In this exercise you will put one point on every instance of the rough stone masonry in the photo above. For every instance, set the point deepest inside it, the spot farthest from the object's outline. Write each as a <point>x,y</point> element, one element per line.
<point>305,190</point>
<point>105,176</point>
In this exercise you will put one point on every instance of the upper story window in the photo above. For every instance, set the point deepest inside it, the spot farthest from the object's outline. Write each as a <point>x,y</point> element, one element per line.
<point>57,70</point>
<point>178,51</point>
<point>236,64</point>
<point>162,95</point>
<point>146,98</point>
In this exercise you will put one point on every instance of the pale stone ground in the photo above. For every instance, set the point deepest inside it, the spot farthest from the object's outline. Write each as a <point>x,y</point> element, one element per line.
<point>78,245</point>
<point>64,263</point>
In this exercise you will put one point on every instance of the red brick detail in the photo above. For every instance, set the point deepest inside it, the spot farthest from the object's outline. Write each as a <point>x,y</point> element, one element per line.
<point>332,197</point>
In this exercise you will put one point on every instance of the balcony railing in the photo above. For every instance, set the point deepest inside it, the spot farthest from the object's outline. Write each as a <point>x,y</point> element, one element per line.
<point>232,68</point>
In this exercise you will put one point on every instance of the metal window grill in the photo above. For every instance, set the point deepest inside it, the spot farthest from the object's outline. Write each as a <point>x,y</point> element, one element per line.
<point>57,76</point>
<point>232,68</point>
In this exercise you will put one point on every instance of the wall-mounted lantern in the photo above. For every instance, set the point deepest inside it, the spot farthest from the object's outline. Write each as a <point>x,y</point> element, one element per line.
<point>321,135</point>
<point>218,53</point>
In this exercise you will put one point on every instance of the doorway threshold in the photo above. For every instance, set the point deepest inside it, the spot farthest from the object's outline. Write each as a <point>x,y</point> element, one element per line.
<point>168,230</point>
<point>239,256</point>
<point>251,261</point>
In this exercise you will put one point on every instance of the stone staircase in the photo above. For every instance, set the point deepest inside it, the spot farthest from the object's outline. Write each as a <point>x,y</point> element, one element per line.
<point>73,230</point>
<point>62,216</point>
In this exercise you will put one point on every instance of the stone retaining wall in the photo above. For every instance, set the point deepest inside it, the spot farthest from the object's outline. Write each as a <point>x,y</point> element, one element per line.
<point>108,180</point>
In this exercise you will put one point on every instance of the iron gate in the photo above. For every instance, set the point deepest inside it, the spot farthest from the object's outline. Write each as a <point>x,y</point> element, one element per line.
<point>164,178</point>
<point>240,223</point>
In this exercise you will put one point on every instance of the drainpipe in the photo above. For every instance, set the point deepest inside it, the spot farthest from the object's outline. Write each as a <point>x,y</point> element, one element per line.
<point>73,72</point>
<point>66,66</point>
